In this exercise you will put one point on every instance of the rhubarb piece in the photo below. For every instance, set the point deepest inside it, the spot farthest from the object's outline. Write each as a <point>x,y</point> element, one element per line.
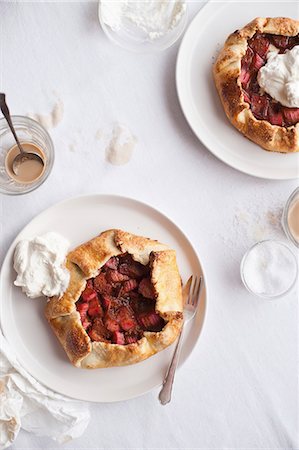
<point>82,308</point>
<point>106,301</point>
<point>102,285</point>
<point>126,318</point>
<point>280,42</point>
<point>88,294</point>
<point>89,283</point>
<point>112,263</point>
<point>127,324</point>
<point>132,268</point>
<point>118,338</point>
<point>111,324</point>
<point>257,61</point>
<point>113,276</point>
<point>246,97</point>
<point>259,106</point>
<point>95,309</point>
<point>129,285</point>
<point>151,321</point>
<point>259,44</point>
<point>247,58</point>
<point>275,115</point>
<point>131,339</point>
<point>86,323</point>
<point>244,77</point>
<point>146,288</point>
<point>291,116</point>
<point>98,331</point>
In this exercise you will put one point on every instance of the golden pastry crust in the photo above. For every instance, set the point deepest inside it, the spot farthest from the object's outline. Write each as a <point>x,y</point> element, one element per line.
<point>226,71</point>
<point>85,262</point>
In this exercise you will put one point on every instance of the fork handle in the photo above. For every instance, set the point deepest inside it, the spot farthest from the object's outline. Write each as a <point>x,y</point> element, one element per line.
<point>165,393</point>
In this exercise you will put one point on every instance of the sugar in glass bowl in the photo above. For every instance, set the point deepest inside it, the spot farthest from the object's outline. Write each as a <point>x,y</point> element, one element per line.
<point>29,133</point>
<point>143,26</point>
<point>269,269</point>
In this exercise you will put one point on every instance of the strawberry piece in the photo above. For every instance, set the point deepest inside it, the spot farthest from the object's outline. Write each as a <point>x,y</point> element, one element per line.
<point>113,276</point>
<point>112,263</point>
<point>259,106</point>
<point>257,61</point>
<point>244,77</point>
<point>89,294</point>
<point>101,284</point>
<point>111,324</point>
<point>280,42</point>
<point>260,44</point>
<point>130,339</point>
<point>146,288</point>
<point>118,338</point>
<point>291,116</point>
<point>129,285</point>
<point>151,321</point>
<point>95,309</point>
<point>275,115</point>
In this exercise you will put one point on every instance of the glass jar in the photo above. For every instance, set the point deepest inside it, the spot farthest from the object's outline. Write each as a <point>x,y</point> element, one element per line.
<point>28,131</point>
<point>294,198</point>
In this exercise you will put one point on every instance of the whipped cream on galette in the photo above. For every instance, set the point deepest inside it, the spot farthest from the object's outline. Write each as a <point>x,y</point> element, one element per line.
<point>279,77</point>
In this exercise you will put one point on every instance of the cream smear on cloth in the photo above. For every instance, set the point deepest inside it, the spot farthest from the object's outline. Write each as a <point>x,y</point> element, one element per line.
<point>155,18</point>
<point>39,263</point>
<point>26,404</point>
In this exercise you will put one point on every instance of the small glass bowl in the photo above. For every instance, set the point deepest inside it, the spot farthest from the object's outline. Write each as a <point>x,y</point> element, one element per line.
<point>288,252</point>
<point>131,38</point>
<point>28,130</point>
<point>284,220</point>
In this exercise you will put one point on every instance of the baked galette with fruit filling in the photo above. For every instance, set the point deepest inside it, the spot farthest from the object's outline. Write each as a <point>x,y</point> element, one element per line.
<point>123,303</point>
<point>257,78</point>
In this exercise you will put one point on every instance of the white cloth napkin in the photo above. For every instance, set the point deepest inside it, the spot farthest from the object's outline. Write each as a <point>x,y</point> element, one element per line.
<point>25,403</point>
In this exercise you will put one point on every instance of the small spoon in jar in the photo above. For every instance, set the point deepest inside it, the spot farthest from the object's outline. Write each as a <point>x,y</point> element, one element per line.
<point>23,156</point>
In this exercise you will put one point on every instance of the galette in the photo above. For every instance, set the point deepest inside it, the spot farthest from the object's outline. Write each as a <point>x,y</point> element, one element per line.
<point>257,78</point>
<point>123,302</point>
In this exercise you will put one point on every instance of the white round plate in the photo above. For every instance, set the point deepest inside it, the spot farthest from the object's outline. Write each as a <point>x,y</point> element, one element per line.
<point>25,327</point>
<point>198,96</point>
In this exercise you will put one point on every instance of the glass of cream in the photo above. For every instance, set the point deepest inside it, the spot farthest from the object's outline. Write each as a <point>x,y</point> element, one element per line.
<point>33,138</point>
<point>290,217</point>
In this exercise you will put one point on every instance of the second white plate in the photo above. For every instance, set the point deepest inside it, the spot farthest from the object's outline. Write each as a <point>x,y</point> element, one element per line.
<point>27,331</point>
<point>198,96</point>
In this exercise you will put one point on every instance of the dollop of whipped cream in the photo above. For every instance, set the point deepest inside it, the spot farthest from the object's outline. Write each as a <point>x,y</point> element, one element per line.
<point>39,263</point>
<point>279,77</point>
<point>154,18</point>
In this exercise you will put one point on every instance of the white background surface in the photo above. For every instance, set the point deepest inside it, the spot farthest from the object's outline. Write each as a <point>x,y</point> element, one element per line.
<point>239,388</point>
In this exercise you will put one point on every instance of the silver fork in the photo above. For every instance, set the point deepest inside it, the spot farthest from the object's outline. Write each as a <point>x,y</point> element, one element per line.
<point>190,309</point>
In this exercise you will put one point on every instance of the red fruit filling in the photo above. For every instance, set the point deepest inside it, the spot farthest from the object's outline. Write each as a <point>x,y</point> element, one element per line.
<point>118,305</point>
<point>262,105</point>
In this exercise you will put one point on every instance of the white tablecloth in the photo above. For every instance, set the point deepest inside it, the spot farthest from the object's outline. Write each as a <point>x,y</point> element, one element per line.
<point>239,388</point>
